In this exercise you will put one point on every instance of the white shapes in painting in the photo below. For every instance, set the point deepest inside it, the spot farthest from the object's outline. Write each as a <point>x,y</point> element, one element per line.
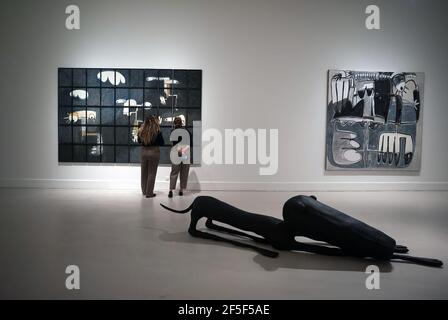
<point>167,86</point>
<point>171,119</point>
<point>128,113</point>
<point>390,143</point>
<point>166,80</point>
<point>114,77</point>
<point>91,115</point>
<point>365,92</point>
<point>344,148</point>
<point>97,150</point>
<point>341,87</point>
<point>164,100</point>
<point>404,85</point>
<point>80,94</point>
<point>134,134</point>
<point>390,151</point>
<point>132,103</point>
<point>352,156</point>
<point>124,101</point>
<point>354,144</point>
<point>399,82</point>
<point>80,115</point>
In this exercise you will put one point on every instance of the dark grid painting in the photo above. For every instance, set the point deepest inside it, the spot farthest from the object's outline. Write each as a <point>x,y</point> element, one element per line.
<point>100,110</point>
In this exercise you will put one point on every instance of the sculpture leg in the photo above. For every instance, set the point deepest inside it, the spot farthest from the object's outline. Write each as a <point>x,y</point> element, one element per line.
<point>401,249</point>
<point>423,261</point>
<point>314,248</point>
<point>209,224</point>
<point>200,234</point>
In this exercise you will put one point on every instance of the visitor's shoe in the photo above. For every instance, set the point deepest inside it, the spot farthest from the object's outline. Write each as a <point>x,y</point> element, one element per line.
<point>181,193</point>
<point>151,196</point>
<point>170,194</point>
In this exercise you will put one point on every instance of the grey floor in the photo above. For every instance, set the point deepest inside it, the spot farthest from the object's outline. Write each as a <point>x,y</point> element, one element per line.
<point>127,247</point>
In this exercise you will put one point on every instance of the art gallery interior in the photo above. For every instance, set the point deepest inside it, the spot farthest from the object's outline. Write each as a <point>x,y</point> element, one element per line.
<point>72,101</point>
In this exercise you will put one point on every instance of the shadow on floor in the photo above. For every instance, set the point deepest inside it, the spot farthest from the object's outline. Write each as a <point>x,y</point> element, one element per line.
<point>193,182</point>
<point>288,259</point>
<point>309,261</point>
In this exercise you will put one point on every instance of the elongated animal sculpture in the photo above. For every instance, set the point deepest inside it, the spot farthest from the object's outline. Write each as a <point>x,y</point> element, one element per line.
<point>302,216</point>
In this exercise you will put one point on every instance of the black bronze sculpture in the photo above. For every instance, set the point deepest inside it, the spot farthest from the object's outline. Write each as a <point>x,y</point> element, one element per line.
<point>302,216</point>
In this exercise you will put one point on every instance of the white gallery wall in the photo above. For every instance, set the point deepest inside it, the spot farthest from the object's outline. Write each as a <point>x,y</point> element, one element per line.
<point>264,65</point>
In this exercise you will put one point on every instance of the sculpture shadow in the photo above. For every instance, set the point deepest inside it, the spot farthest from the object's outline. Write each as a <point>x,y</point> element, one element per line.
<point>184,237</point>
<point>310,261</point>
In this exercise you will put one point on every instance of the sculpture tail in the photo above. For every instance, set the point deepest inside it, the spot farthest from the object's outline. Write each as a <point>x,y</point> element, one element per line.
<point>179,211</point>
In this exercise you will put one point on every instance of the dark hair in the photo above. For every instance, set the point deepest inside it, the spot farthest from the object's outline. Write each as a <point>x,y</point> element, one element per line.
<point>177,122</point>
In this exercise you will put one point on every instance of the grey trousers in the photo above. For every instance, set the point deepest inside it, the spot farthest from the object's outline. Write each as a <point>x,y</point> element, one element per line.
<point>150,157</point>
<point>183,169</point>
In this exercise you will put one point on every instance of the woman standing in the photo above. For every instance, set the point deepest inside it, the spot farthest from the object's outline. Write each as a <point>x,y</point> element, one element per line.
<point>182,168</point>
<point>151,138</point>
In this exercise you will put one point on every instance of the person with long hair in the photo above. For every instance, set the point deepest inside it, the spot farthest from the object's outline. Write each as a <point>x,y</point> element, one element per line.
<point>151,138</point>
<point>182,168</point>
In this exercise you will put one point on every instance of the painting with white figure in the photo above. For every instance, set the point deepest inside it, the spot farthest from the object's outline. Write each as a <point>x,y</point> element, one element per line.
<point>374,120</point>
<point>100,110</point>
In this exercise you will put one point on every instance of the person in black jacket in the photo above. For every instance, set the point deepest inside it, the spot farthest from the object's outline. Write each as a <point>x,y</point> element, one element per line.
<point>151,138</point>
<point>183,168</point>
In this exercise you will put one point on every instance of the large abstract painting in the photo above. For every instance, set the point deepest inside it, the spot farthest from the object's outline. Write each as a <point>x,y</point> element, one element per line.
<point>100,110</point>
<point>374,120</point>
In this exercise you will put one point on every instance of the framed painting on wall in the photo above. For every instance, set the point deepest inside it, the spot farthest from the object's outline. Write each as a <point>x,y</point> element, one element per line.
<point>374,120</point>
<point>100,110</point>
